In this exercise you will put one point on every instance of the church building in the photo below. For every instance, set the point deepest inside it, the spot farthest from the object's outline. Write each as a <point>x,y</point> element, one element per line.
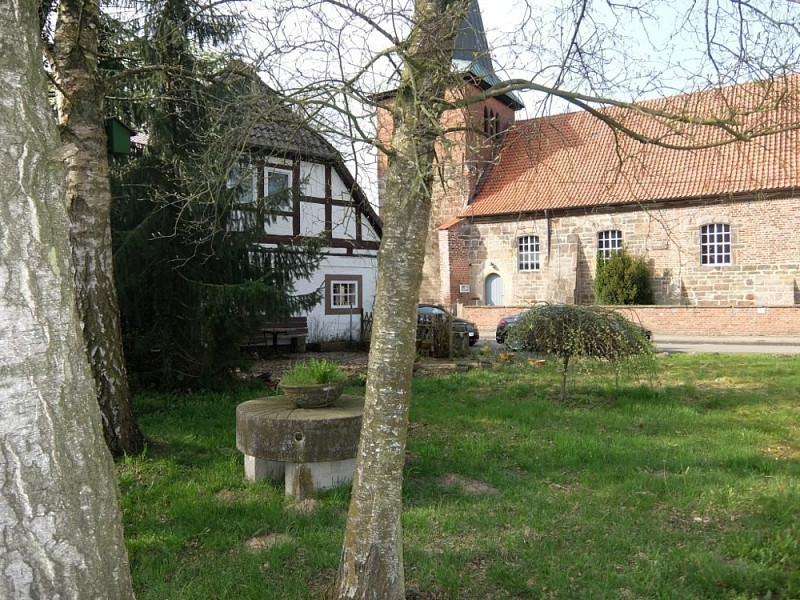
<point>523,208</point>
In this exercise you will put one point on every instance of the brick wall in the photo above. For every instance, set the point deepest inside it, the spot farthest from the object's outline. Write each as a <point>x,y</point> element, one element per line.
<point>461,159</point>
<point>675,320</point>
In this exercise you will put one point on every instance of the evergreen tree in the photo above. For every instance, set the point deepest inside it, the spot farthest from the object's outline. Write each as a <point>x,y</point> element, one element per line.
<point>622,279</point>
<point>192,278</point>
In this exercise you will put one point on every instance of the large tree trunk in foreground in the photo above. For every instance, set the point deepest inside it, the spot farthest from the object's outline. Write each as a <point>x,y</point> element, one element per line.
<point>371,565</point>
<point>60,522</point>
<point>88,197</point>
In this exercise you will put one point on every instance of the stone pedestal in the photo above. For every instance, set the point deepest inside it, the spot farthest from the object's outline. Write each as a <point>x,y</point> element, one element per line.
<point>308,449</point>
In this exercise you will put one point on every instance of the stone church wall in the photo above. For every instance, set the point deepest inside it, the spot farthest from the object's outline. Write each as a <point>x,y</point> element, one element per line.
<point>765,253</point>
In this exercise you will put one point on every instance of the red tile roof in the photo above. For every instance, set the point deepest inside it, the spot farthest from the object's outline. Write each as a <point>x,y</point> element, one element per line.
<point>576,160</point>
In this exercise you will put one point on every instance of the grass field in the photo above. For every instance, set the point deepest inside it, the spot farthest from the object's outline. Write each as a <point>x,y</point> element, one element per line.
<point>688,487</point>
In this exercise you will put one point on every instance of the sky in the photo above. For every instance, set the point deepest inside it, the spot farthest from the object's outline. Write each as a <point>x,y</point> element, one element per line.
<point>636,50</point>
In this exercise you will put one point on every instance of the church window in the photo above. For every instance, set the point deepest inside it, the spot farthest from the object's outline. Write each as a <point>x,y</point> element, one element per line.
<point>715,244</point>
<point>608,242</point>
<point>528,253</point>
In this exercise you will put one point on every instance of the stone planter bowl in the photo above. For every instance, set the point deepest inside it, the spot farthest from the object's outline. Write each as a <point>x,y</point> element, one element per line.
<point>314,396</point>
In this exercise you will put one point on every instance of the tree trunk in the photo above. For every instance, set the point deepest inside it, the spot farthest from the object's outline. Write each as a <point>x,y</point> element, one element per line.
<point>371,565</point>
<point>61,525</point>
<point>88,197</point>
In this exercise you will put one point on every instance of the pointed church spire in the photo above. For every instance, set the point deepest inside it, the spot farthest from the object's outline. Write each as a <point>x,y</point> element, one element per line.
<point>471,48</point>
<point>472,56</point>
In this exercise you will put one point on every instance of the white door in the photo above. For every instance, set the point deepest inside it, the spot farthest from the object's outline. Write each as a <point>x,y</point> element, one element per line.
<point>494,290</point>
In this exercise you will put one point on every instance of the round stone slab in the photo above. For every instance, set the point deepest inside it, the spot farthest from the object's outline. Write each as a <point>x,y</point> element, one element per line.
<point>273,428</point>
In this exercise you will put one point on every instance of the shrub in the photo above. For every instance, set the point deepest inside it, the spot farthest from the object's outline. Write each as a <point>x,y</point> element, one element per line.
<point>571,331</point>
<point>622,279</point>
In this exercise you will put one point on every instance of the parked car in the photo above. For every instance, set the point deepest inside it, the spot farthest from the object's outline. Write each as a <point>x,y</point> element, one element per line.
<point>503,325</point>
<point>507,322</point>
<point>426,311</point>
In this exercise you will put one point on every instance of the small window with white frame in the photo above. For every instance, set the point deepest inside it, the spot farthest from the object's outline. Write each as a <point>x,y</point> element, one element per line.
<point>277,183</point>
<point>607,242</point>
<point>343,294</point>
<point>715,244</point>
<point>242,180</point>
<point>528,253</point>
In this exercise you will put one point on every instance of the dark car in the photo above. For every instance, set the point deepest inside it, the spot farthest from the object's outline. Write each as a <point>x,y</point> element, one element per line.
<point>506,322</point>
<point>502,326</point>
<point>426,311</point>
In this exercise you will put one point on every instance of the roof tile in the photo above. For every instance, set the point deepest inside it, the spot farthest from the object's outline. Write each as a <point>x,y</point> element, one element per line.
<point>575,159</point>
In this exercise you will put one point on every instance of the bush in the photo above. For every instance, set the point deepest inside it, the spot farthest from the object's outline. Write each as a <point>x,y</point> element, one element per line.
<point>572,331</point>
<point>622,279</point>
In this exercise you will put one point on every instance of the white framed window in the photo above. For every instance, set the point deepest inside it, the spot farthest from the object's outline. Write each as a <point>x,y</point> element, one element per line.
<point>528,253</point>
<point>242,179</point>
<point>277,183</point>
<point>276,180</point>
<point>715,244</point>
<point>343,294</point>
<point>607,242</point>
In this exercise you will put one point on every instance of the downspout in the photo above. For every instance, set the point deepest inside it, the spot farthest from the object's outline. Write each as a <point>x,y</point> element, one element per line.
<point>549,232</point>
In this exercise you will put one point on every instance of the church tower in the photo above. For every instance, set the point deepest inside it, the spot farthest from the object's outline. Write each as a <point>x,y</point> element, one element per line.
<point>465,154</point>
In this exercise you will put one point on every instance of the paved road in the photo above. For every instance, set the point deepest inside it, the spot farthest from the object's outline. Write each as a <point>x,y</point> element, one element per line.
<point>787,345</point>
<point>737,344</point>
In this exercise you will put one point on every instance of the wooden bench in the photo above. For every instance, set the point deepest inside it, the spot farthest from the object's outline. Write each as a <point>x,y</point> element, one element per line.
<point>293,329</point>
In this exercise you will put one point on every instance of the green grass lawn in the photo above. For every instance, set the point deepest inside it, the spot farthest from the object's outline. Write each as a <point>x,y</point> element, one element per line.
<point>686,488</point>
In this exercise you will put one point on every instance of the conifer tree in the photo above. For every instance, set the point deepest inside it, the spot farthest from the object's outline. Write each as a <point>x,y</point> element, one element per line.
<point>192,278</point>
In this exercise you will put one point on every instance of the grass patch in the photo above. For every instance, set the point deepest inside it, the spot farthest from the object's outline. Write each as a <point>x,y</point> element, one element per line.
<point>687,489</point>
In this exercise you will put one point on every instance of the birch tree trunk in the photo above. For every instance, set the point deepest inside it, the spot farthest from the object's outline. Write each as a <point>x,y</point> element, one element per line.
<point>371,565</point>
<point>88,197</point>
<point>60,522</point>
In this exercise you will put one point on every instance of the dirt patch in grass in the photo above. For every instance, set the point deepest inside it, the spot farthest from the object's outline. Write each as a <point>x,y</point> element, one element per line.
<point>227,496</point>
<point>306,506</point>
<point>473,487</point>
<point>266,540</point>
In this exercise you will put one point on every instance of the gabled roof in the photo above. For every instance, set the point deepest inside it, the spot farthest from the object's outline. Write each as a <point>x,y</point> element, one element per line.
<point>575,160</point>
<point>280,132</point>
<point>290,139</point>
<point>296,141</point>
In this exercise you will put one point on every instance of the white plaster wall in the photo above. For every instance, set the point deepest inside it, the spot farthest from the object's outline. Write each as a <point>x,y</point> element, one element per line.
<point>338,190</point>
<point>312,180</point>
<point>367,232</point>
<point>281,226</point>
<point>322,327</point>
<point>343,224</point>
<point>312,218</point>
